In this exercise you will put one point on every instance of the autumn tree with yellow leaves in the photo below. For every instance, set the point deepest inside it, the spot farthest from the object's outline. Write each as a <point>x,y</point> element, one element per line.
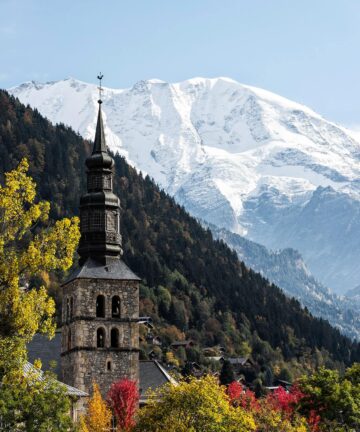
<point>29,245</point>
<point>98,415</point>
<point>196,405</point>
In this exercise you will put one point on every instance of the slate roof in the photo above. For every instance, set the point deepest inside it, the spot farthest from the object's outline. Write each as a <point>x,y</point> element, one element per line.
<point>71,391</point>
<point>239,360</point>
<point>91,269</point>
<point>182,343</point>
<point>152,373</point>
<point>152,376</point>
<point>47,351</point>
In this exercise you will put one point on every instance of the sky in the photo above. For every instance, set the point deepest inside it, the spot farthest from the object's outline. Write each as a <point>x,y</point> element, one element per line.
<point>305,50</point>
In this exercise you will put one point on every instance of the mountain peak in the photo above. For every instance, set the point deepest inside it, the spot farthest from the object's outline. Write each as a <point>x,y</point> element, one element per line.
<point>238,156</point>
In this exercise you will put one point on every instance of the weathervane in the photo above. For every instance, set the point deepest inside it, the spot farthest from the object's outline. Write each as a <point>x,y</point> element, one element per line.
<point>100,77</point>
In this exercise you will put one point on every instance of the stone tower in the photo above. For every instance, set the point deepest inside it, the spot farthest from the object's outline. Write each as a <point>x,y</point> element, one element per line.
<point>100,336</point>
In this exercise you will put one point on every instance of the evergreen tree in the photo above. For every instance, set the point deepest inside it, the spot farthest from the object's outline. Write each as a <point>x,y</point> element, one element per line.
<point>213,296</point>
<point>227,375</point>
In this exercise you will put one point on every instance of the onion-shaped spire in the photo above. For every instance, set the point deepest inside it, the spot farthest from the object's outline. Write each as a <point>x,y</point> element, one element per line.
<point>99,206</point>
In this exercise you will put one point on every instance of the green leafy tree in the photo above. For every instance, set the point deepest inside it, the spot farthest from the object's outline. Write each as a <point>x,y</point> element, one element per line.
<point>334,398</point>
<point>167,247</point>
<point>194,406</point>
<point>352,374</point>
<point>29,401</point>
<point>164,300</point>
<point>34,402</point>
<point>27,248</point>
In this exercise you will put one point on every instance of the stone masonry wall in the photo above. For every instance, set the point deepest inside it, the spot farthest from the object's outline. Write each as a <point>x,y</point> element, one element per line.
<point>82,362</point>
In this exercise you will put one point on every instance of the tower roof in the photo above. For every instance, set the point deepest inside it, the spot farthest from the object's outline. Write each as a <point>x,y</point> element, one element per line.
<point>100,143</point>
<point>99,206</point>
<point>113,269</point>
<point>100,157</point>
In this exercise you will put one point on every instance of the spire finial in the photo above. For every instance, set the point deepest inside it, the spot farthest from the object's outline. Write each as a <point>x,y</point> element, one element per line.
<point>100,77</point>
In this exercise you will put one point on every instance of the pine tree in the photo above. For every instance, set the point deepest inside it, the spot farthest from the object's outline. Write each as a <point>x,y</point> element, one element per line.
<point>227,375</point>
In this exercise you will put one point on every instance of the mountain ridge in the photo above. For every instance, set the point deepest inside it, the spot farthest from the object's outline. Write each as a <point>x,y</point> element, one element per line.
<point>286,269</point>
<point>236,156</point>
<point>193,286</point>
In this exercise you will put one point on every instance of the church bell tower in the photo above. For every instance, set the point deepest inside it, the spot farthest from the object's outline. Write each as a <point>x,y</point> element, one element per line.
<point>100,311</point>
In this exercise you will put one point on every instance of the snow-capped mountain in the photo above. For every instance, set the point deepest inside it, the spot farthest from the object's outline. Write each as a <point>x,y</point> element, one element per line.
<point>353,295</point>
<point>286,269</point>
<point>239,157</point>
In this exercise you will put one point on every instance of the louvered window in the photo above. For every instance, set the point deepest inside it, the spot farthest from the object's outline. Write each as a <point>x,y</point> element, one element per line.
<point>95,182</point>
<point>97,222</point>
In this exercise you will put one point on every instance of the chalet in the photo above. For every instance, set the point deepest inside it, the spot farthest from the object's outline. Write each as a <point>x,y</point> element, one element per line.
<point>194,369</point>
<point>153,340</point>
<point>185,344</point>
<point>214,351</point>
<point>240,362</point>
<point>282,383</point>
<point>217,359</point>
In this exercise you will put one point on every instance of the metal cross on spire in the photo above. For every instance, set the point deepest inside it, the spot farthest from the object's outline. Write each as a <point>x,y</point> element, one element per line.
<point>100,77</point>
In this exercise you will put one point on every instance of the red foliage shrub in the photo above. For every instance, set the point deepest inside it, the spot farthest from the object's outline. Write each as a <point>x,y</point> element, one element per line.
<point>123,397</point>
<point>283,400</point>
<point>248,401</point>
<point>234,391</point>
<point>239,397</point>
<point>314,421</point>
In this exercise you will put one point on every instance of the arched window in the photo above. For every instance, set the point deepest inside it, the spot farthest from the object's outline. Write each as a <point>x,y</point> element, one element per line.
<point>69,340</point>
<point>108,365</point>
<point>100,338</point>
<point>100,306</point>
<point>71,307</point>
<point>115,307</point>
<point>114,336</point>
<point>67,314</point>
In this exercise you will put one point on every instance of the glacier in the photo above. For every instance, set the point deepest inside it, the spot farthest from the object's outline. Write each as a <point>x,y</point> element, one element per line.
<point>236,156</point>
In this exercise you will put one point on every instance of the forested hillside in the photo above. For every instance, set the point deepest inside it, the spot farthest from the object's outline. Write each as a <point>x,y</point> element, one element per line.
<point>190,281</point>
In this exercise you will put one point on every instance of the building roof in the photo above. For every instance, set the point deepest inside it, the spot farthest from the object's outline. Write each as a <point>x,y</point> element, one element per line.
<point>183,343</point>
<point>71,391</point>
<point>152,376</point>
<point>152,373</point>
<point>99,206</point>
<point>116,269</point>
<point>238,360</point>
<point>283,383</point>
<point>216,358</point>
<point>99,142</point>
<point>48,351</point>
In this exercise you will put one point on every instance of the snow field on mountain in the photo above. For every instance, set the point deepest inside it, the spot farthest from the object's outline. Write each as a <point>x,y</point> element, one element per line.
<point>237,156</point>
